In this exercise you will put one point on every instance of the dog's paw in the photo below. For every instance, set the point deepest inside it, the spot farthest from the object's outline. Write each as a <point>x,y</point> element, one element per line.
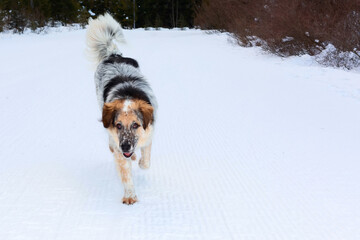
<point>129,200</point>
<point>144,164</point>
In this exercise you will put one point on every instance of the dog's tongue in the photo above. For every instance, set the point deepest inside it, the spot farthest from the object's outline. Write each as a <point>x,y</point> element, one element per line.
<point>127,154</point>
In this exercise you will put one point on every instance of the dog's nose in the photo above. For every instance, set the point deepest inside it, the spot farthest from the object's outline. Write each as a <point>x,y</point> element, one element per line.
<point>125,147</point>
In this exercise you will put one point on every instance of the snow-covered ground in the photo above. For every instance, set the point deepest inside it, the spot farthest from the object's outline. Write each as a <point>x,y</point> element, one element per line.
<point>248,146</point>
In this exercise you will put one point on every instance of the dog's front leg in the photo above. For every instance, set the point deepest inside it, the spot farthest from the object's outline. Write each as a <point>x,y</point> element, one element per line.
<point>124,168</point>
<point>144,161</point>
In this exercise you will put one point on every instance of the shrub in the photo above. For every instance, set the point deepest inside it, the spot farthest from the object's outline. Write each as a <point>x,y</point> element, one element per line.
<point>334,57</point>
<point>287,27</point>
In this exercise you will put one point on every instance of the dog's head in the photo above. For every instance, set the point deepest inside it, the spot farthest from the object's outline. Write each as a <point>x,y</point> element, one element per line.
<point>127,122</point>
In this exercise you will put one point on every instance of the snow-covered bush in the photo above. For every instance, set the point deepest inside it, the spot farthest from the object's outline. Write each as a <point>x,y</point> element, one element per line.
<point>334,57</point>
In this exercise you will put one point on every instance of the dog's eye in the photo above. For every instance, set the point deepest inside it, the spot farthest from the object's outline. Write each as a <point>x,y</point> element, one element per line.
<point>135,126</point>
<point>118,126</point>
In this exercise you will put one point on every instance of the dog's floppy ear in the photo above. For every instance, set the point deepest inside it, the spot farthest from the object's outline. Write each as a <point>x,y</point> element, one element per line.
<point>147,112</point>
<point>108,114</point>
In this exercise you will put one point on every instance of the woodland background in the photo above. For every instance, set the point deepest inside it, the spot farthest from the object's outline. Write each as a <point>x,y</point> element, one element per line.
<point>326,29</point>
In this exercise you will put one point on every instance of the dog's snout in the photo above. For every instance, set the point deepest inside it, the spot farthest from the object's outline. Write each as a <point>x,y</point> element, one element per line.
<point>125,147</point>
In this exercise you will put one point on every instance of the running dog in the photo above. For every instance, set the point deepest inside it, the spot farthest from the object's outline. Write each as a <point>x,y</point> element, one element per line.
<point>126,100</point>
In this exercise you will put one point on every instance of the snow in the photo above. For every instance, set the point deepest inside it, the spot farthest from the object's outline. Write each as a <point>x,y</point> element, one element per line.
<point>247,145</point>
<point>91,13</point>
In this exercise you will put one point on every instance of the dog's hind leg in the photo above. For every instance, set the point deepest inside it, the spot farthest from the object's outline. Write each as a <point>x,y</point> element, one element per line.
<point>124,168</point>
<point>144,161</point>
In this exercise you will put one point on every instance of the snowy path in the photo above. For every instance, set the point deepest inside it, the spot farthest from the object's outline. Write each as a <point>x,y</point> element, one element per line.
<point>248,146</point>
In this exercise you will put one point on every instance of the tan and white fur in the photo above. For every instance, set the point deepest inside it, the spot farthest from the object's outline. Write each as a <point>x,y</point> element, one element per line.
<point>125,98</point>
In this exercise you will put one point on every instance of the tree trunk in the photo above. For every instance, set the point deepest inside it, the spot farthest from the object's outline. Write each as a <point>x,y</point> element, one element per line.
<point>134,13</point>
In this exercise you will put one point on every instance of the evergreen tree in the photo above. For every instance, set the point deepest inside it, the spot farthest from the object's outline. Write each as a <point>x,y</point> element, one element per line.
<point>19,14</point>
<point>65,11</point>
<point>158,22</point>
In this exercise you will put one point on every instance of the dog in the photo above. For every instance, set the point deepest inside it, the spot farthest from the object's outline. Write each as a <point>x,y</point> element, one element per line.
<point>126,100</point>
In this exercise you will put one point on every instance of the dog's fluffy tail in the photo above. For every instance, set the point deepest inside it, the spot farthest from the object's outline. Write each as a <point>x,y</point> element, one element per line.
<point>100,35</point>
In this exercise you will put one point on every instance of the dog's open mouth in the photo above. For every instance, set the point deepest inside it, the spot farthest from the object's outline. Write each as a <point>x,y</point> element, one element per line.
<point>127,154</point>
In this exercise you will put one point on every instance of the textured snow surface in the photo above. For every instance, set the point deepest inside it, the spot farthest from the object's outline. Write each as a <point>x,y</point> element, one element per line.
<point>247,145</point>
